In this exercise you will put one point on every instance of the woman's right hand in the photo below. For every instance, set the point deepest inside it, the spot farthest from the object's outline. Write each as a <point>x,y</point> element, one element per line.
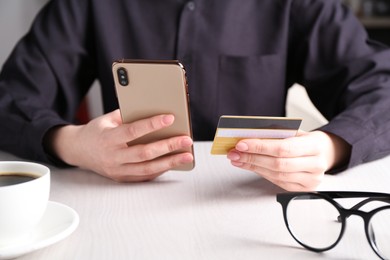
<point>101,146</point>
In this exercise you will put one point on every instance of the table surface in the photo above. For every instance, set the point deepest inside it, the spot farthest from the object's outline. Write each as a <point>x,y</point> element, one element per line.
<point>215,211</point>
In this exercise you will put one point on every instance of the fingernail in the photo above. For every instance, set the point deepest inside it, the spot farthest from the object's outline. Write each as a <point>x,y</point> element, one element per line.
<point>237,164</point>
<point>233,156</point>
<point>186,142</point>
<point>168,119</point>
<point>187,158</point>
<point>241,146</point>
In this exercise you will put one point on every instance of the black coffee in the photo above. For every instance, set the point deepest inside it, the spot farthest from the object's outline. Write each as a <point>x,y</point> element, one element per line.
<point>12,178</point>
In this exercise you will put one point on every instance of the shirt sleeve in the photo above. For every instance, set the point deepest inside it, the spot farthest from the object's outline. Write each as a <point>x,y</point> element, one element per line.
<point>45,78</point>
<point>346,75</point>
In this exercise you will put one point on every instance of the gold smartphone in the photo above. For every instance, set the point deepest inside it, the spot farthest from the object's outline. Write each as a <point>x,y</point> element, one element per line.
<point>147,88</point>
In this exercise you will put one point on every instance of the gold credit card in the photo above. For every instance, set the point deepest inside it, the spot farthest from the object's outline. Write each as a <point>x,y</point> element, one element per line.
<point>232,129</point>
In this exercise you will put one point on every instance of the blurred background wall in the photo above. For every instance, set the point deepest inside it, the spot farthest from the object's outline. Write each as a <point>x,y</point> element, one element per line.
<point>16,17</point>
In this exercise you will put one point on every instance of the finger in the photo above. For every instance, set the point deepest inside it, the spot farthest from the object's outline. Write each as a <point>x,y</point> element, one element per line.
<point>137,178</point>
<point>112,119</point>
<point>280,164</point>
<point>147,152</point>
<point>115,116</point>
<point>301,180</point>
<point>291,186</point>
<point>128,132</point>
<point>151,169</point>
<point>289,147</point>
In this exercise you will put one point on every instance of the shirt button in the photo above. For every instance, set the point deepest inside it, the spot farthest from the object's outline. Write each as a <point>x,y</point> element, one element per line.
<point>191,6</point>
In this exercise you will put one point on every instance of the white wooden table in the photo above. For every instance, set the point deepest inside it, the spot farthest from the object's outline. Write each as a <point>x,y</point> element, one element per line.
<point>216,211</point>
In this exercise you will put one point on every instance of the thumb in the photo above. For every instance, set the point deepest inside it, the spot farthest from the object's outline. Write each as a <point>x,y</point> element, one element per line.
<point>114,117</point>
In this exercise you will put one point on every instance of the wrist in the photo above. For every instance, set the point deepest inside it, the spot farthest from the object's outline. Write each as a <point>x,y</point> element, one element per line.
<point>339,153</point>
<point>59,142</point>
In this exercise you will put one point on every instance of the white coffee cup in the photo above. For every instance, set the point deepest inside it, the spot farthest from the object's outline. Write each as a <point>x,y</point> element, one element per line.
<point>22,205</point>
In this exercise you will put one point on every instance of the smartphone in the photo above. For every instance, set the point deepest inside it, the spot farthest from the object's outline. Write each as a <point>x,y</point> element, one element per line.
<point>146,88</point>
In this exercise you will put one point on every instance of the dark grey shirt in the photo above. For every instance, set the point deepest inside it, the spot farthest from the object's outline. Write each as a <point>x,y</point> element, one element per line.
<point>241,57</point>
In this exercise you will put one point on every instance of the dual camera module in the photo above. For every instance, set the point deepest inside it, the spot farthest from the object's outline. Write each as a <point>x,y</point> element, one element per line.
<point>123,78</point>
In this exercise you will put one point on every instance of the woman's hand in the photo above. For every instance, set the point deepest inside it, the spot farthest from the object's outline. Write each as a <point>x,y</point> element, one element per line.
<point>101,146</point>
<point>296,163</point>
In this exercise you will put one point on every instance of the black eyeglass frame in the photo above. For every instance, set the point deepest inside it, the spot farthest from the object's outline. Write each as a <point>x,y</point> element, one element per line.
<point>285,198</point>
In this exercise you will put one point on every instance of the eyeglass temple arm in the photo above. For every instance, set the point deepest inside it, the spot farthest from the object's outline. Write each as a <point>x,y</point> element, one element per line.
<point>364,202</point>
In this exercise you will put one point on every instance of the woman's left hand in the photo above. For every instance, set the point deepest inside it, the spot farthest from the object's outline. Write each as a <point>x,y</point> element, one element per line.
<point>295,164</point>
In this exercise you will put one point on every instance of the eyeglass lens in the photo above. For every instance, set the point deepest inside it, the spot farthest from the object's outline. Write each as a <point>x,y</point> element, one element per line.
<point>313,222</point>
<point>379,232</point>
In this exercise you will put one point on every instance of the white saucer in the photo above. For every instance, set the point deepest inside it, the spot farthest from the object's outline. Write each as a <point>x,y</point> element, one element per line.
<point>58,222</point>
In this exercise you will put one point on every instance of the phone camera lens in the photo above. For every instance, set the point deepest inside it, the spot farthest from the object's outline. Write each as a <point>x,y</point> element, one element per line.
<point>123,77</point>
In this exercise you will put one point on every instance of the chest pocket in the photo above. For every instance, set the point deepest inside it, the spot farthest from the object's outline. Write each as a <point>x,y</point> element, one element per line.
<point>251,85</point>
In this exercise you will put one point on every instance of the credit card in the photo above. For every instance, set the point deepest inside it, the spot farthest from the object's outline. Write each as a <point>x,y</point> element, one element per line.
<point>232,129</point>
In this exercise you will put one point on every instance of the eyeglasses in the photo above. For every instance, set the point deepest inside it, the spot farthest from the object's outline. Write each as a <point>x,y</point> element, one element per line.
<point>317,222</point>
